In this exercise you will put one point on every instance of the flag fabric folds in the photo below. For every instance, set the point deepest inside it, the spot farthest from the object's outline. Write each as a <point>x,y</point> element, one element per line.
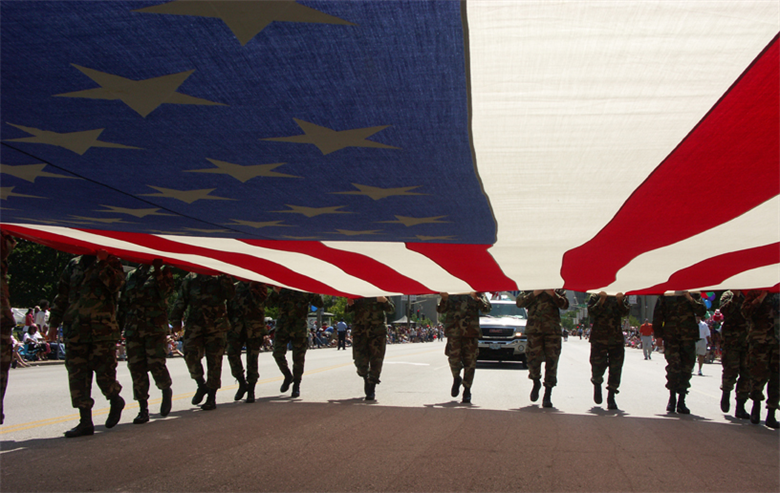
<point>359,148</point>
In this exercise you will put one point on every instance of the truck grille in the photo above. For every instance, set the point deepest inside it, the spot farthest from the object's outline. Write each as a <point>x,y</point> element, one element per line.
<point>498,332</point>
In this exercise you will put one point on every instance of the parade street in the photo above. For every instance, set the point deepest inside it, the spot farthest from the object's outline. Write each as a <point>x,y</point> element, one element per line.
<point>415,437</point>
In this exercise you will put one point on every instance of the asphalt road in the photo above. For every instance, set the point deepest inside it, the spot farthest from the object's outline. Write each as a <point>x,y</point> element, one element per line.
<point>415,437</point>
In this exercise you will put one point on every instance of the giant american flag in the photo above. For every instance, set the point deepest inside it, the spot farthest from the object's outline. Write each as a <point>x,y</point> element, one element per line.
<point>359,148</point>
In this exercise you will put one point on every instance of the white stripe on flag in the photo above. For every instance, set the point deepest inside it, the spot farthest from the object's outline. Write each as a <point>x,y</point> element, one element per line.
<point>406,262</point>
<point>747,231</point>
<point>575,103</point>
<point>324,272</point>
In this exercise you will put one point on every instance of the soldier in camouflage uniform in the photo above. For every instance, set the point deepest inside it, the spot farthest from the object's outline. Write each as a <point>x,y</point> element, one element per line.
<point>87,296</point>
<point>544,337</point>
<point>369,338</point>
<point>143,313</point>
<point>247,326</point>
<point>7,322</point>
<point>735,350</point>
<point>607,347</point>
<point>292,327</point>
<point>202,304</point>
<point>761,309</point>
<point>461,327</point>
<point>674,321</point>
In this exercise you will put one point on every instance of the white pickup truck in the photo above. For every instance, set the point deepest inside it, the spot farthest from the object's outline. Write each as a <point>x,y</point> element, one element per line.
<point>502,335</point>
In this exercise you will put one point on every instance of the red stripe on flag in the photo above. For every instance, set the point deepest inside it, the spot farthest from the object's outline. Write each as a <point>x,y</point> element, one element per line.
<point>471,263</point>
<point>731,157</point>
<point>354,264</point>
<point>262,267</point>
<point>715,270</point>
<point>82,247</point>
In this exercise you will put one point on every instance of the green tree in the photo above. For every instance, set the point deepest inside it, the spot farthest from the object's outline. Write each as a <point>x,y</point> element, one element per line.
<point>337,305</point>
<point>34,272</point>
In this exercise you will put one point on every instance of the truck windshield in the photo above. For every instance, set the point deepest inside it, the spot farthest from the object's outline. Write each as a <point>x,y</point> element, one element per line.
<point>505,310</point>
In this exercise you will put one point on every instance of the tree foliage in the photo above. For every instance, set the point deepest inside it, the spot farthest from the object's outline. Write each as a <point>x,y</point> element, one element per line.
<point>33,273</point>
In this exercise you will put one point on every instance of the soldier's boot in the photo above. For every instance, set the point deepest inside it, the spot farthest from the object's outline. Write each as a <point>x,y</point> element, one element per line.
<point>671,406</point>
<point>725,401</point>
<point>535,390</point>
<point>681,408</point>
<point>755,413</point>
<point>167,398</point>
<point>365,384</point>
<point>85,426</point>
<point>200,393</point>
<point>296,391</point>
<point>370,391</point>
<point>611,404</point>
<point>547,399</point>
<point>115,412</point>
<point>288,379</point>
<point>466,395</point>
<point>143,413</point>
<point>740,412</point>
<point>242,388</point>
<point>250,393</point>
<point>771,421</point>
<point>597,393</point>
<point>211,400</point>
<point>456,381</point>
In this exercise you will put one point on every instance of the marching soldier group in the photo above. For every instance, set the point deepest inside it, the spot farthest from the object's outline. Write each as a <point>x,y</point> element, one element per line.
<point>95,301</point>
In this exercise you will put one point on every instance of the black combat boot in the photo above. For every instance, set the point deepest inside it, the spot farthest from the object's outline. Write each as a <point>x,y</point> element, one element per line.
<point>681,408</point>
<point>725,401</point>
<point>250,393</point>
<point>370,391</point>
<point>200,393</point>
<point>165,407</point>
<point>597,393</point>
<point>771,421</point>
<point>85,426</point>
<point>672,405</point>
<point>288,378</point>
<point>740,412</point>
<point>242,388</point>
<point>115,413</point>
<point>143,413</point>
<point>456,381</point>
<point>755,413</point>
<point>535,390</point>
<point>611,404</point>
<point>547,399</point>
<point>365,385</point>
<point>296,392</point>
<point>211,400</point>
<point>466,395</point>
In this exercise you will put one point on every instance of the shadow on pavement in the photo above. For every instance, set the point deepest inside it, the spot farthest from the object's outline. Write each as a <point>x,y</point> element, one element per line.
<point>270,446</point>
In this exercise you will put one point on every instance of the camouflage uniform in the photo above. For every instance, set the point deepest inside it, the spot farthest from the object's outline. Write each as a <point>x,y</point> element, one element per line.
<point>764,352</point>
<point>674,320</point>
<point>735,347</point>
<point>86,302</point>
<point>143,313</point>
<point>461,327</point>
<point>369,336</point>
<point>291,327</point>
<point>7,322</point>
<point>203,298</point>
<point>544,333</point>
<point>607,347</point>
<point>247,326</point>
